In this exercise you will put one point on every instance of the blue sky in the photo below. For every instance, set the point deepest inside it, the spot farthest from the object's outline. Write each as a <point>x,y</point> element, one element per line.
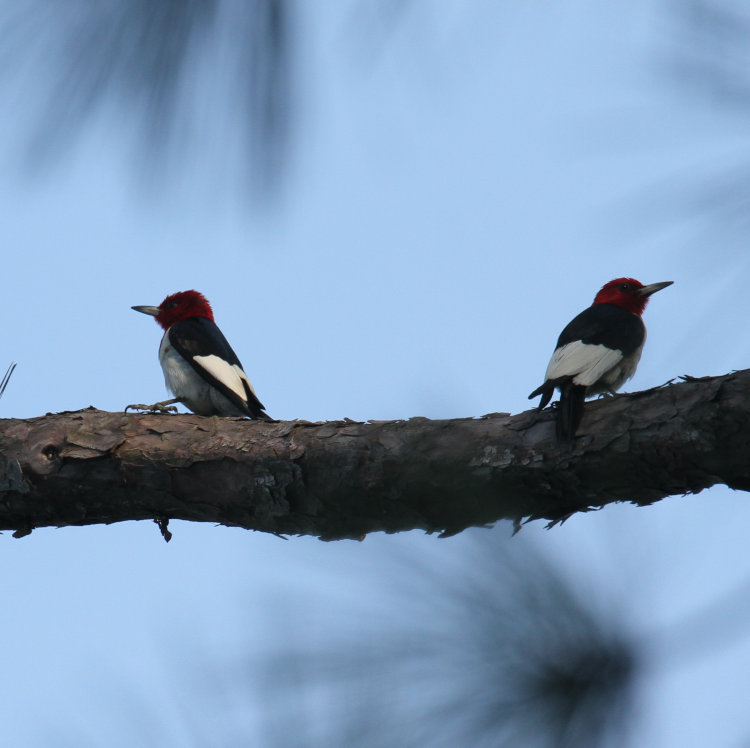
<point>458,189</point>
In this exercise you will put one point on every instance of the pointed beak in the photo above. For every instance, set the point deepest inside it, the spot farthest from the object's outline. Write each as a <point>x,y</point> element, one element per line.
<point>152,310</point>
<point>645,291</point>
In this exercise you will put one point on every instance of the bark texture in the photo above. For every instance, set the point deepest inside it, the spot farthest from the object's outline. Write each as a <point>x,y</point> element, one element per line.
<point>344,479</point>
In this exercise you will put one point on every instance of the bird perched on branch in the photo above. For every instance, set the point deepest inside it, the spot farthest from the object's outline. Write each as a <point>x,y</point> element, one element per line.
<point>200,367</point>
<point>598,351</point>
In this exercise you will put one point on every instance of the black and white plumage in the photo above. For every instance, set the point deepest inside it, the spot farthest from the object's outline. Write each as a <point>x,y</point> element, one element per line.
<point>214,383</point>
<point>598,351</point>
<point>200,367</point>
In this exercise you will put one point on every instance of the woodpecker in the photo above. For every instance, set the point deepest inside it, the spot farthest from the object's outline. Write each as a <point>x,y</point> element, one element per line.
<point>598,351</point>
<point>200,367</point>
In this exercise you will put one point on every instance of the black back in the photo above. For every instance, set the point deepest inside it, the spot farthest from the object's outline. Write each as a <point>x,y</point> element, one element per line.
<point>606,324</point>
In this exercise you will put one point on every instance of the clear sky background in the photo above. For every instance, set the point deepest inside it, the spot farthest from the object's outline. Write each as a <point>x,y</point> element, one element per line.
<point>462,178</point>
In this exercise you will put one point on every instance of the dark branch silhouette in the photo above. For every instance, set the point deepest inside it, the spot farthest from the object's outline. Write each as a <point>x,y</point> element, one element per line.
<point>344,479</point>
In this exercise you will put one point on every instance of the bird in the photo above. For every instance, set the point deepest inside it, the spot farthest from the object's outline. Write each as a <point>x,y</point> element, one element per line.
<point>598,351</point>
<point>200,368</point>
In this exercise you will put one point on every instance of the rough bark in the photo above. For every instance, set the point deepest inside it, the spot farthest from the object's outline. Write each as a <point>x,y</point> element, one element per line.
<point>344,479</point>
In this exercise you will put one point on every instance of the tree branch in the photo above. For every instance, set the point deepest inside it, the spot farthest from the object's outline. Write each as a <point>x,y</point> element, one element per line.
<point>343,479</point>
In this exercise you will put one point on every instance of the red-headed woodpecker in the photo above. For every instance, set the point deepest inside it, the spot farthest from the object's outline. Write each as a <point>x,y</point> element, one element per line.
<point>598,351</point>
<point>200,367</point>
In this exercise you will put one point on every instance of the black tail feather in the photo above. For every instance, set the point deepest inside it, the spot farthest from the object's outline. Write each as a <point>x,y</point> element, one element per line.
<point>570,411</point>
<point>546,390</point>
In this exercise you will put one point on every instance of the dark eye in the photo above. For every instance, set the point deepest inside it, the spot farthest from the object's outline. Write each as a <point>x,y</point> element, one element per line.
<point>624,286</point>
<point>171,305</point>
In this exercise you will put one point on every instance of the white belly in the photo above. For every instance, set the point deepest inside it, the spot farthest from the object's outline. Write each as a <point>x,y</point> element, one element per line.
<point>594,366</point>
<point>189,387</point>
<point>612,380</point>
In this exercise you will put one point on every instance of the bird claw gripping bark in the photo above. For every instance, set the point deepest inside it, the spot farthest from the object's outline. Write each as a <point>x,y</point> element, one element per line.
<point>164,407</point>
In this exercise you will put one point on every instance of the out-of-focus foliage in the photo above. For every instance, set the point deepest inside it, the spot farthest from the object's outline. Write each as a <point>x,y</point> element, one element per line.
<point>712,38</point>
<point>709,61</point>
<point>489,648</point>
<point>201,72</point>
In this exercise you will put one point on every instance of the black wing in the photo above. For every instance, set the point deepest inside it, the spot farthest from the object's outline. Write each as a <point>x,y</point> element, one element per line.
<point>199,336</point>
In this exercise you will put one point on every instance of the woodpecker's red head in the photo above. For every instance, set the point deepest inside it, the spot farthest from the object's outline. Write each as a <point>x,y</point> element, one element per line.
<point>179,306</point>
<point>628,293</point>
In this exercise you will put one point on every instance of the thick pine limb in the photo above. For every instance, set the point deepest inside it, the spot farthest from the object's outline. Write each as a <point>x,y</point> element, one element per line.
<point>345,479</point>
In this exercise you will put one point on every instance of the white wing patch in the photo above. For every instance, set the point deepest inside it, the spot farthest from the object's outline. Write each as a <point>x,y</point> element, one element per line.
<point>244,378</point>
<point>586,363</point>
<point>230,375</point>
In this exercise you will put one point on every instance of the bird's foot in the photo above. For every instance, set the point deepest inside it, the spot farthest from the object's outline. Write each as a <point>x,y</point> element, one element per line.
<point>164,407</point>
